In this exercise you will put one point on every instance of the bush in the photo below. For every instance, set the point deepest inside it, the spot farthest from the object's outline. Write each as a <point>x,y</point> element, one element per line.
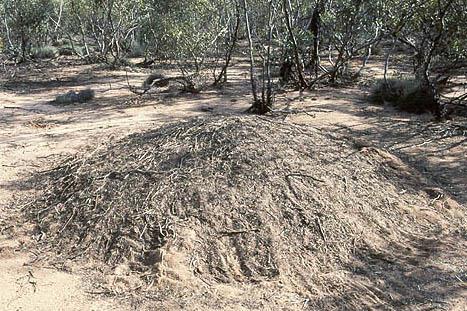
<point>405,94</point>
<point>43,52</point>
<point>65,51</point>
<point>61,42</point>
<point>378,50</point>
<point>136,50</point>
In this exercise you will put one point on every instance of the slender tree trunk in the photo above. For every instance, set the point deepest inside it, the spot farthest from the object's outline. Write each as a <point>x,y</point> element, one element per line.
<point>223,74</point>
<point>8,34</point>
<point>386,62</point>
<point>423,74</point>
<point>298,63</point>
<point>315,28</point>
<point>60,12</point>
<point>268,57</point>
<point>254,87</point>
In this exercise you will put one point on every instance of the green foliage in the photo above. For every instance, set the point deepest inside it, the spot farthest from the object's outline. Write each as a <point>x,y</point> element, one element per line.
<point>181,29</point>
<point>25,21</point>
<point>197,35</point>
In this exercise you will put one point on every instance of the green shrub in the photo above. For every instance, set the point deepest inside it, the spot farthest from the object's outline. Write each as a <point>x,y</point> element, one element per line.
<point>391,90</point>
<point>405,94</point>
<point>43,52</point>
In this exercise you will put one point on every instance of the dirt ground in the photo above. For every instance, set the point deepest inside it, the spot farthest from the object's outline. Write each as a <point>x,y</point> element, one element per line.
<point>35,135</point>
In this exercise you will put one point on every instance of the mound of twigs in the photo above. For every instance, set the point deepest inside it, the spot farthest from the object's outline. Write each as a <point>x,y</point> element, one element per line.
<point>233,199</point>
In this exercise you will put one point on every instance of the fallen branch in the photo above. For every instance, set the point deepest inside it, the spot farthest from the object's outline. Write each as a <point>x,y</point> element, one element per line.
<point>321,230</point>
<point>300,110</point>
<point>304,175</point>
<point>233,232</point>
<point>21,108</point>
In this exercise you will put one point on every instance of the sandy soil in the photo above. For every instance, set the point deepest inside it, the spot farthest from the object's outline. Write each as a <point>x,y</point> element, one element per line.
<point>34,135</point>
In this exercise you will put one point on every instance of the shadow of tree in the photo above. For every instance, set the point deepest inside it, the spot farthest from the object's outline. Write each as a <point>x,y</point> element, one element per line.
<point>435,149</point>
<point>410,276</point>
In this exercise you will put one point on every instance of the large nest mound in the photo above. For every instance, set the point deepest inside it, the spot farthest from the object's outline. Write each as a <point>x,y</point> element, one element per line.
<point>239,199</point>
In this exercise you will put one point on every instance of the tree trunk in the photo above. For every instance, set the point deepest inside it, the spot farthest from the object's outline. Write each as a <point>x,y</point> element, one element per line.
<point>315,28</point>
<point>222,77</point>
<point>268,58</point>
<point>298,63</point>
<point>254,88</point>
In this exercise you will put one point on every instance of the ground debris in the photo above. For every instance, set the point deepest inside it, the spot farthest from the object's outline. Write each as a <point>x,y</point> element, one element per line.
<point>162,199</point>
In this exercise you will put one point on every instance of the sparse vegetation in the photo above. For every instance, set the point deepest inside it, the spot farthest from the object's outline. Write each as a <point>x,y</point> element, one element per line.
<point>223,154</point>
<point>311,44</point>
<point>137,50</point>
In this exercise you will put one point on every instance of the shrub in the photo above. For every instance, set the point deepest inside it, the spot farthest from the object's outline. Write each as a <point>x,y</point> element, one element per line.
<point>378,50</point>
<point>61,42</point>
<point>66,51</point>
<point>136,50</point>
<point>43,52</point>
<point>405,94</point>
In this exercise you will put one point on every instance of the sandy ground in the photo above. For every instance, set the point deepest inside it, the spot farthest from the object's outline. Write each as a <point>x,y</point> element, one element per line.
<point>34,135</point>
